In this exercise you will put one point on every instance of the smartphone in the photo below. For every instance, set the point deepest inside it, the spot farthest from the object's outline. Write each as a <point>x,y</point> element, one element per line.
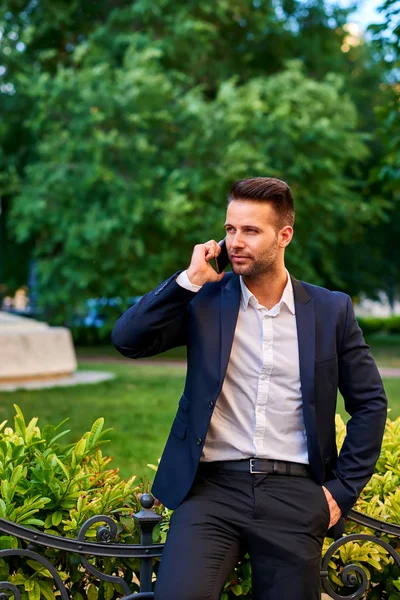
<point>222,261</point>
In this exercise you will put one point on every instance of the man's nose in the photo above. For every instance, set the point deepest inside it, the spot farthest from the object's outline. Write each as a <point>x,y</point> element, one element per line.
<point>237,241</point>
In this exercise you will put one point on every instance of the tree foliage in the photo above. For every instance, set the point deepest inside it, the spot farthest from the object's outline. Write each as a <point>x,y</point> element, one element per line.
<point>387,40</point>
<point>137,117</point>
<point>375,265</point>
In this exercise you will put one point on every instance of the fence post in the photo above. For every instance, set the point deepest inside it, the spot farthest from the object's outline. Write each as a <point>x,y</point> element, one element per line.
<point>147,519</point>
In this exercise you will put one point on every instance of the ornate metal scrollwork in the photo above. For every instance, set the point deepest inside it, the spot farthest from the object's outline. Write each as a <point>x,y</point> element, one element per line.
<point>354,576</point>
<point>5,585</point>
<point>104,547</point>
<point>80,547</point>
<point>35,556</point>
<point>107,533</point>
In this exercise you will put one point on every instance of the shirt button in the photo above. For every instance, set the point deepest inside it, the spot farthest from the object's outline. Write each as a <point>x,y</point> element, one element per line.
<point>199,441</point>
<point>211,405</point>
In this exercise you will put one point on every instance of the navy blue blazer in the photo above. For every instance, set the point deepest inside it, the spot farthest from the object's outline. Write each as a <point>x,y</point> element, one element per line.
<point>333,355</point>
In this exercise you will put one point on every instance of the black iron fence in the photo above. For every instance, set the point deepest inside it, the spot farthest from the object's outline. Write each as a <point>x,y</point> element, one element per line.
<point>353,576</point>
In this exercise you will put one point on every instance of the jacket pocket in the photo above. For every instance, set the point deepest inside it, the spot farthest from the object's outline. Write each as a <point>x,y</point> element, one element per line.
<point>179,428</point>
<point>184,403</point>
<point>319,364</point>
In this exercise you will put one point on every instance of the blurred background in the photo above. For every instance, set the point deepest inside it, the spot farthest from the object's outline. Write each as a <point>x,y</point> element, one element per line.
<point>123,124</point>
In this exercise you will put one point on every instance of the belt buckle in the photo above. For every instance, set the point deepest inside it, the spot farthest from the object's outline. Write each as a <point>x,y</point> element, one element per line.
<point>252,466</point>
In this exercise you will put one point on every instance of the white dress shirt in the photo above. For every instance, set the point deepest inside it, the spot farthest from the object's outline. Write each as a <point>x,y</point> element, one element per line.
<point>259,411</point>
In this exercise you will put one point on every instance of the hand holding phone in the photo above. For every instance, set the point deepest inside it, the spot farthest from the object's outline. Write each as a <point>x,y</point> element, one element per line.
<point>200,270</point>
<point>222,260</point>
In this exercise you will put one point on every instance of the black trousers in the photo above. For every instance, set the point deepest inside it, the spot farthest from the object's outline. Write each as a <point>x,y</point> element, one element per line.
<point>279,520</point>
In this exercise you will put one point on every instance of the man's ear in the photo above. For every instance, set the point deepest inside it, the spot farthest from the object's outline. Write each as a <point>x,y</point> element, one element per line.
<point>285,236</point>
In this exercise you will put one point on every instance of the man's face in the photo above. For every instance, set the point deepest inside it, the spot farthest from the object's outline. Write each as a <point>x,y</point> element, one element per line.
<point>254,245</point>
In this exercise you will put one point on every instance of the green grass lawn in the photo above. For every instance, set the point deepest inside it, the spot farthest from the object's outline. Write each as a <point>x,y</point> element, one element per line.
<point>139,404</point>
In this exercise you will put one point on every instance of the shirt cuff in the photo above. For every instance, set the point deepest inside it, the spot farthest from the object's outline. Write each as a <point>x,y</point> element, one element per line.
<point>184,281</point>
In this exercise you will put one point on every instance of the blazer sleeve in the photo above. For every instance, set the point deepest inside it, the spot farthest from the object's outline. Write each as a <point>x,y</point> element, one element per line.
<point>361,387</point>
<point>157,323</point>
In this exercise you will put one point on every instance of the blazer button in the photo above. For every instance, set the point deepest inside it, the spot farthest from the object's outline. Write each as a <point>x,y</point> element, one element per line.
<point>211,405</point>
<point>199,441</point>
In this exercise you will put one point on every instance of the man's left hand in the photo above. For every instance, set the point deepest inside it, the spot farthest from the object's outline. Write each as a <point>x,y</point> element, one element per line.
<point>334,509</point>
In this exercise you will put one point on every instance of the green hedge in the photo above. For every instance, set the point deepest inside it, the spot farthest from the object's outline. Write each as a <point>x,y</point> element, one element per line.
<point>91,335</point>
<point>371,325</point>
<point>56,487</point>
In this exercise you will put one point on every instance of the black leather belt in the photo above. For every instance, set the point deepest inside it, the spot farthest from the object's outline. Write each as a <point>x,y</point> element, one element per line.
<point>258,465</point>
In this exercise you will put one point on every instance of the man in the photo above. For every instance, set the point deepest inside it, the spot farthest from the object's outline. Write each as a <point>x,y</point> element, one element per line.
<point>251,463</point>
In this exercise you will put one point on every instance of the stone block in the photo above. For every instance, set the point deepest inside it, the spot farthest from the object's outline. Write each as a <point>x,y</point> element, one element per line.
<point>33,350</point>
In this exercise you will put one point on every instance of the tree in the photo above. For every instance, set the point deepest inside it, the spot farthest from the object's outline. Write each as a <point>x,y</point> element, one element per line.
<point>372,258</point>
<point>36,36</point>
<point>138,115</point>
<point>387,39</point>
<point>133,169</point>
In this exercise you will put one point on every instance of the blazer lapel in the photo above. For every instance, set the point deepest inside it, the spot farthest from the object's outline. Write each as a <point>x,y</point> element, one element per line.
<point>230,299</point>
<point>305,320</point>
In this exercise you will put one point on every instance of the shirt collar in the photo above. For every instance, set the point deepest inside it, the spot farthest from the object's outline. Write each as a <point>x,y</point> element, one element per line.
<point>287,296</point>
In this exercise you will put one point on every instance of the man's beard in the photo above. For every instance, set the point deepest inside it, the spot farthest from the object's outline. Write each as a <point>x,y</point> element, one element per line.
<point>263,266</point>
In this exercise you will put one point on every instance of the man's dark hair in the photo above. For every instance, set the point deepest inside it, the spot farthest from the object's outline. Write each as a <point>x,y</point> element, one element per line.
<point>267,189</point>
